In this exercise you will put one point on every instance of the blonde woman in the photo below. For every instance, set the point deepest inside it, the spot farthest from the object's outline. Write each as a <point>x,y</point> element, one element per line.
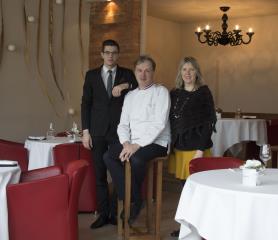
<point>192,118</point>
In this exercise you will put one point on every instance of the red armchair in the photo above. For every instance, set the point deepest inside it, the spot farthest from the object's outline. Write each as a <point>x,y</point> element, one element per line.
<point>14,151</point>
<point>44,205</point>
<point>66,153</point>
<point>211,163</point>
<point>88,195</point>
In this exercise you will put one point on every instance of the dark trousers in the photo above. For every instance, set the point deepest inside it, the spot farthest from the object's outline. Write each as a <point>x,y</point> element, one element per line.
<point>138,163</point>
<point>100,146</point>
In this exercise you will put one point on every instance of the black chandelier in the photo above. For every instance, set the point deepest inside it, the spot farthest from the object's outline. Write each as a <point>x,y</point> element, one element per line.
<point>233,38</point>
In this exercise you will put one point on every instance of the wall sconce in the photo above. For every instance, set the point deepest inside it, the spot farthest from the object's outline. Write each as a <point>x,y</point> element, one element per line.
<point>59,2</point>
<point>91,1</point>
<point>11,47</point>
<point>71,111</point>
<point>31,19</point>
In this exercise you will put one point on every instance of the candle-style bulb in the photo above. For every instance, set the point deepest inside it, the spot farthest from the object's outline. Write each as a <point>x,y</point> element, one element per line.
<point>207,27</point>
<point>250,30</point>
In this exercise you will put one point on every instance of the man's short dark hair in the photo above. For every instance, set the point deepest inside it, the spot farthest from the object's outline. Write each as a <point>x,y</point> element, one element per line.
<point>145,58</point>
<point>110,42</point>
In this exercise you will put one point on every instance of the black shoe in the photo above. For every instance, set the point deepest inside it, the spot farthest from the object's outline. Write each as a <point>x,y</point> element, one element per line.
<point>101,221</point>
<point>134,212</point>
<point>113,220</point>
<point>175,233</point>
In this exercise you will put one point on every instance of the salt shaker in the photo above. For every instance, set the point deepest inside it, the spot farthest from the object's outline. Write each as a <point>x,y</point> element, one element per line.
<point>50,134</point>
<point>238,113</point>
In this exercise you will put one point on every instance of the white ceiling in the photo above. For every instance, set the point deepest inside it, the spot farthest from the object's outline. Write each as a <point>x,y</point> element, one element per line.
<point>203,10</point>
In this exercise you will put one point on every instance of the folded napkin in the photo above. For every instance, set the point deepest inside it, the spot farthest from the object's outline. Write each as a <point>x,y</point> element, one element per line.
<point>249,116</point>
<point>37,138</point>
<point>7,163</point>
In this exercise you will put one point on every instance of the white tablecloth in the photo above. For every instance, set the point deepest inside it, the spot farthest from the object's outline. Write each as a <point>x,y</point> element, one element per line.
<point>221,208</point>
<point>8,175</point>
<point>40,152</point>
<point>230,131</point>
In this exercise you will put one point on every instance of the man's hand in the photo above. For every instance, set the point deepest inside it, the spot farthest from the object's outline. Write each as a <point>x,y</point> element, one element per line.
<point>87,140</point>
<point>198,154</point>
<point>128,151</point>
<point>117,90</point>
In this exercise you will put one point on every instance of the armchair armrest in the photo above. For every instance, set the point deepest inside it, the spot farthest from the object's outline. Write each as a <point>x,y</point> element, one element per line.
<point>40,173</point>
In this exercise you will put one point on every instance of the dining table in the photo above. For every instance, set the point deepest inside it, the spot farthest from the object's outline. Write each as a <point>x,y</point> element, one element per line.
<point>215,205</point>
<point>8,175</point>
<point>40,151</point>
<point>230,131</point>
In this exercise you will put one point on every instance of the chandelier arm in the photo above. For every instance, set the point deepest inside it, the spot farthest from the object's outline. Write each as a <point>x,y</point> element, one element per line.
<point>199,34</point>
<point>250,38</point>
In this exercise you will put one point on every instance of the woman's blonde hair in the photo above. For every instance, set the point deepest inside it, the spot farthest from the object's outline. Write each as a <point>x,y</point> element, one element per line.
<point>196,66</point>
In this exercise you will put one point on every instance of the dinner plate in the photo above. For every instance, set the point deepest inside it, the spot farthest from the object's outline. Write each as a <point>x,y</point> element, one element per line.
<point>6,163</point>
<point>38,138</point>
<point>249,117</point>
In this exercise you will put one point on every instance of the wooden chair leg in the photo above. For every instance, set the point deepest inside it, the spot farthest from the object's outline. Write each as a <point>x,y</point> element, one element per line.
<point>149,196</point>
<point>158,198</point>
<point>124,229</point>
<point>127,199</point>
<point>119,220</point>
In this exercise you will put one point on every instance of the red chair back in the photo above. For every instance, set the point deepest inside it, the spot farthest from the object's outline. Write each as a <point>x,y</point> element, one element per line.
<point>14,151</point>
<point>63,154</point>
<point>40,173</point>
<point>87,200</point>
<point>61,134</point>
<point>11,142</point>
<point>211,163</point>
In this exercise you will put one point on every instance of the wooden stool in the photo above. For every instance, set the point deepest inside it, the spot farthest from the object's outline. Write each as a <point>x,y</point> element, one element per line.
<point>124,228</point>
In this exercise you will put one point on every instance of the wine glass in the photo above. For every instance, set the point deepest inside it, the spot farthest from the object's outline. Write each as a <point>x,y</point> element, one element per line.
<point>265,153</point>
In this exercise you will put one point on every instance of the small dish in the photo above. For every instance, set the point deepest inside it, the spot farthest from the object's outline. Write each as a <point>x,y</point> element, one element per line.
<point>37,138</point>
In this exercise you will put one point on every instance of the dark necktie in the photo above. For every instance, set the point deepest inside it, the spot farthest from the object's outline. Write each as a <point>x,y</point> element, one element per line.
<point>109,83</point>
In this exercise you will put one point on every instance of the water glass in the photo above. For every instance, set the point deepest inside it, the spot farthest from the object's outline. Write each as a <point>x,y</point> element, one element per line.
<point>265,153</point>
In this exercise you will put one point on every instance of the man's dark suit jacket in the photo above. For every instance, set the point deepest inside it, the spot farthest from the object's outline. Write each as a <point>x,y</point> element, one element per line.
<point>99,113</point>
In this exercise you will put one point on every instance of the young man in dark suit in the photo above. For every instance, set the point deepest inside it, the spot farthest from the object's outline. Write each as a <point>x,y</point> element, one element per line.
<point>103,94</point>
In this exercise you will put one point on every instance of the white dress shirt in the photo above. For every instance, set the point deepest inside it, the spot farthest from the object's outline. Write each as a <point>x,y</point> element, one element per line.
<point>144,118</point>
<point>105,74</point>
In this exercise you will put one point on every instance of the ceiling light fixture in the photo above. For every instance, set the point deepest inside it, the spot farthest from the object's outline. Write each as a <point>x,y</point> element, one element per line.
<point>233,38</point>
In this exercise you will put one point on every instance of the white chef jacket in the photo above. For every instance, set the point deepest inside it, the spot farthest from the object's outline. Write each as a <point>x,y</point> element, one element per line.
<point>145,117</point>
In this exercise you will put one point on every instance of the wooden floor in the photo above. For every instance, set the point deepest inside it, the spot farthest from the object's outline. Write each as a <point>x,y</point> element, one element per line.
<point>109,232</point>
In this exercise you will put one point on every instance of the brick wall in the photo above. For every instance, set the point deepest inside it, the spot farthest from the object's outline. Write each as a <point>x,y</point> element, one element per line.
<point>119,20</point>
